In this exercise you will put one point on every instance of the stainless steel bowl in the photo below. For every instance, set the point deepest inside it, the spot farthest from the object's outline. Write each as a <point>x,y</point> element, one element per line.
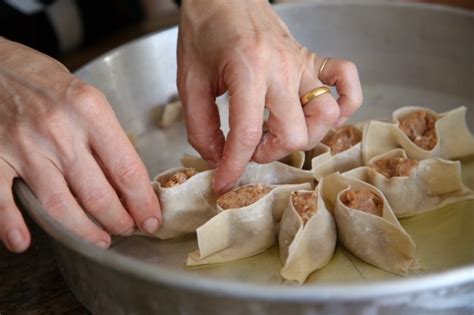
<point>408,54</point>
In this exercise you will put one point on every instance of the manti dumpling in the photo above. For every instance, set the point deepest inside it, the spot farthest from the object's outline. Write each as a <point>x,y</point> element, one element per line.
<point>367,226</point>
<point>187,200</point>
<point>413,187</point>
<point>339,151</point>
<point>307,235</point>
<point>274,173</point>
<point>245,225</point>
<point>422,133</point>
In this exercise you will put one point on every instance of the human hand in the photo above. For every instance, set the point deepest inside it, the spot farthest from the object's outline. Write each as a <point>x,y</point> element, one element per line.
<point>62,137</point>
<point>244,48</point>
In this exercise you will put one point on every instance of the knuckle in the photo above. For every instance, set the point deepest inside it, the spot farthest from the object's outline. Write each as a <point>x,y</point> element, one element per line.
<point>203,140</point>
<point>199,143</point>
<point>197,138</point>
<point>21,136</point>
<point>258,56</point>
<point>249,137</point>
<point>233,167</point>
<point>255,51</point>
<point>129,172</point>
<point>69,157</point>
<point>263,158</point>
<point>56,203</point>
<point>64,142</point>
<point>85,93</point>
<point>293,143</point>
<point>195,142</point>
<point>355,102</point>
<point>96,199</point>
<point>328,114</point>
<point>347,66</point>
<point>88,100</point>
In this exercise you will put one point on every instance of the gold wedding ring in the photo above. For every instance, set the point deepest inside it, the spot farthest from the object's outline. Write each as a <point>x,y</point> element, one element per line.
<point>325,61</point>
<point>311,95</point>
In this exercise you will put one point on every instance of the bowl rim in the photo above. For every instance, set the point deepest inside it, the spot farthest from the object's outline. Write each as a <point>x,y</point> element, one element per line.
<point>270,292</point>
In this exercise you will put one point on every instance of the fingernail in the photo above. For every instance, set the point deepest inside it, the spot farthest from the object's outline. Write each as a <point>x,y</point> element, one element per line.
<point>102,244</point>
<point>15,239</point>
<point>151,225</point>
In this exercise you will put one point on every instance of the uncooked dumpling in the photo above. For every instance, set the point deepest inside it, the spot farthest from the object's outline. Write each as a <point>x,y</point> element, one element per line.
<point>307,235</point>
<point>187,200</point>
<point>422,133</point>
<point>245,225</point>
<point>274,173</point>
<point>339,151</point>
<point>367,226</point>
<point>413,187</point>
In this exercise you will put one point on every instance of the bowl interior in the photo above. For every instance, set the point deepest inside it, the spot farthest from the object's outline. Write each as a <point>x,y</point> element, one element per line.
<point>406,55</point>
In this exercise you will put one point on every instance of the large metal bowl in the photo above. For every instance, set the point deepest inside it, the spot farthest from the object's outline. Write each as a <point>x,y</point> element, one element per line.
<point>408,54</point>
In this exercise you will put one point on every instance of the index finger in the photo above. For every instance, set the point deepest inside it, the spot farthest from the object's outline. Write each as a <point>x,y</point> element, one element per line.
<point>246,108</point>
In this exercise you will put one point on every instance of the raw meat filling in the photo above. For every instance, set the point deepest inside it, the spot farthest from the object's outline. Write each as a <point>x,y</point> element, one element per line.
<point>391,167</point>
<point>177,178</point>
<point>363,200</point>
<point>243,196</point>
<point>305,204</point>
<point>420,128</point>
<point>343,138</point>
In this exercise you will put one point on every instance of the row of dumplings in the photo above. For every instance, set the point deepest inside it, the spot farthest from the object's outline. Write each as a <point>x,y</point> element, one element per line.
<point>352,186</point>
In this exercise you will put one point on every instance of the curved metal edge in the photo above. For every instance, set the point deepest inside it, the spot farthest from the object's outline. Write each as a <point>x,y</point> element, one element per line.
<point>381,3</point>
<point>319,293</point>
<point>282,6</point>
<point>119,49</point>
<point>147,272</point>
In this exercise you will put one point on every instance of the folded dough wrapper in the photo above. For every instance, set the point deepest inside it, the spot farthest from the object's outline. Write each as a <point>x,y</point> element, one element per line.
<point>186,206</point>
<point>239,233</point>
<point>274,173</point>
<point>324,162</point>
<point>380,241</point>
<point>432,184</point>
<point>306,247</point>
<point>454,140</point>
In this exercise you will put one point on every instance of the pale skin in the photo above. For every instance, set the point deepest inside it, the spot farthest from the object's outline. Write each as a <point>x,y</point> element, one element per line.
<point>61,136</point>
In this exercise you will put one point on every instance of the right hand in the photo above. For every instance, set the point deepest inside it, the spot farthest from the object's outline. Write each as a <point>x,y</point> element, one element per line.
<point>244,48</point>
<point>62,137</point>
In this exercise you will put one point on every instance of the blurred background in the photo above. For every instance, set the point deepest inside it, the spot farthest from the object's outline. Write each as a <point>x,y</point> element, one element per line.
<point>77,31</point>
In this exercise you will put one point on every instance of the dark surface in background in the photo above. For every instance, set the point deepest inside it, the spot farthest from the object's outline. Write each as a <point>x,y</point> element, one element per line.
<point>98,20</point>
<point>31,282</point>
